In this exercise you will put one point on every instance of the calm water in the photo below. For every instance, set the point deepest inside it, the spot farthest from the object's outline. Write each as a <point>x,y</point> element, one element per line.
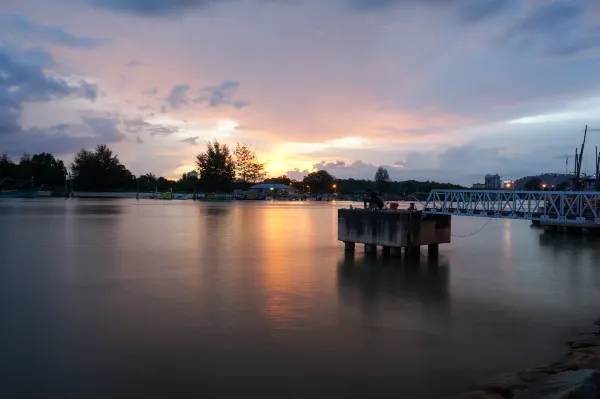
<point>120,298</point>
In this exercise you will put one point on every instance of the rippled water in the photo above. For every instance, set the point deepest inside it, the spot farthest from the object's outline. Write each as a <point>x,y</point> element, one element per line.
<point>124,298</point>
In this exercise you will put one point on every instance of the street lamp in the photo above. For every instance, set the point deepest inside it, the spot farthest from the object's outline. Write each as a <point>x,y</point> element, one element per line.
<point>335,188</point>
<point>544,186</point>
<point>308,187</point>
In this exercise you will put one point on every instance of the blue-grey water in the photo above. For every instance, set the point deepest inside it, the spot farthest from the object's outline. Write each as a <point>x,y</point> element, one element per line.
<point>182,299</point>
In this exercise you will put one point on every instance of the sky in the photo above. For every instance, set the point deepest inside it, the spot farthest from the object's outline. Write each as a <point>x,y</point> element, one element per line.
<point>444,90</point>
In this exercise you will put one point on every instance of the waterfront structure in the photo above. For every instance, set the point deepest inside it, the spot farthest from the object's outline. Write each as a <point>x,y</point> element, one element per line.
<point>547,208</point>
<point>478,186</point>
<point>492,182</point>
<point>264,188</point>
<point>392,230</point>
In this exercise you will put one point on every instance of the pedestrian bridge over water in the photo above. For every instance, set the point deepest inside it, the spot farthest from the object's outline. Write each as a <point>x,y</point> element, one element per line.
<point>559,208</point>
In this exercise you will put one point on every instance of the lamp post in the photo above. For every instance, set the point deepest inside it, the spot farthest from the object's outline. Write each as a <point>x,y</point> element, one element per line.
<point>334,188</point>
<point>308,187</point>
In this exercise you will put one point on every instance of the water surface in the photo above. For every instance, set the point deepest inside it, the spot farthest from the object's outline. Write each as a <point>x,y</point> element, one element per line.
<point>124,298</point>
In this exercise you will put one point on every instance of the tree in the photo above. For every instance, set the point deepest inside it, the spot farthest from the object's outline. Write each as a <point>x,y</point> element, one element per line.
<point>216,167</point>
<point>100,170</point>
<point>8,168</point>
<point>283,179</point>
<point>534,184</point>
<point>382,179</point>
<point>319,181</point>
<point>247,166</point>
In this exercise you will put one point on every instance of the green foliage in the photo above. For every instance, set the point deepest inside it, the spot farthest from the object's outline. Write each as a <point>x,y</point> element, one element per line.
<point>283,179</point>
<point>535,184</point>
<point>247,166</point>
<point>216,168</point>
<point>42,168</point>
<point>319,182</point>
<point>382,180</point>
<point>100,170</point>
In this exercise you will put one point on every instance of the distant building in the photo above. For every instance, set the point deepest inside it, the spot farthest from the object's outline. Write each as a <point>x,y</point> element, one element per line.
<point>192,175</point>
<point>509,184</point>
<point>492,182</point>
<point>265,188</point>
<point>478,186</point>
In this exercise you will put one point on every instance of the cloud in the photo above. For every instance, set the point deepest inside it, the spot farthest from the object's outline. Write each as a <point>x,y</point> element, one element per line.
<point>557,28</point>
<point>105,128</point>
<point>222,94</point>
<point>151,7</point>
<point>25,82</point>
<point>191,140</point>
<point>28,30</point>
<point>297,174</point>
<point>135,63</point>
<point>139,140</point>
<point>140,125</point>
<point>178,96</point>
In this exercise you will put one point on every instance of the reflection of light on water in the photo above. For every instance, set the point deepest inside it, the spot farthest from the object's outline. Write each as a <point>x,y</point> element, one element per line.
<point>508,249</point>
<point>284,283</point>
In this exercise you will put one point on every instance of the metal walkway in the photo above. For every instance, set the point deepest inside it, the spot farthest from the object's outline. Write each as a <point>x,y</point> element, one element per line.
<point>560,207</point>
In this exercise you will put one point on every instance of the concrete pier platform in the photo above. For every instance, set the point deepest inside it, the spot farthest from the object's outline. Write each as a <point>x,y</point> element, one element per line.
<point>393,230</point>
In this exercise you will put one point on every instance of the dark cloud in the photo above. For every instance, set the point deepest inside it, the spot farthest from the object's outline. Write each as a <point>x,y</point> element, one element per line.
<point>61,139</point>
<point>151,7</point>
<point>466,11</point>
<point>191,140</point>
<point>24,29</point>
<point>478,10</point>
<point>135,63</point>
<point>139,140</point>
<point>557,28</point>
<point>178,96</point>
<point>222,94</point>
<point>22,81</point>
<point>105,128</point>
<point>140,125</point>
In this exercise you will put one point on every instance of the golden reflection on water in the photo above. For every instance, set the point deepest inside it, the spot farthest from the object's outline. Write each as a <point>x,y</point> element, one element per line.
<point>286,285</point>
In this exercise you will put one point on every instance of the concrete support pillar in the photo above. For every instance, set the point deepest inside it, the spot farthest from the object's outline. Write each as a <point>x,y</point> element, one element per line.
<point>386,250</point>
<point>433,249</point>
<point>396,251</point>
<point>349,246</point>
<point>413,250</point>
<point>370,248</point>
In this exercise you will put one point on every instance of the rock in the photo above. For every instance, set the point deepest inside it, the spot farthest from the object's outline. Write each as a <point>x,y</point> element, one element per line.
<point>585,358</point>
<point>592,330</point>
<point>532,375</point>
<point>476,395</point>
<point>580,384</point>
<point>503,383</point>
<point>585,341</point>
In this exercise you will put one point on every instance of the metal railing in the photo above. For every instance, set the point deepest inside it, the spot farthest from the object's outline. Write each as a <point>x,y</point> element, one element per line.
<point>550,206</point>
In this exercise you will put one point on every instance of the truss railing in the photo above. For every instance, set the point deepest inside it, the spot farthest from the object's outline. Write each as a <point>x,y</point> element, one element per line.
<point>550,206</point>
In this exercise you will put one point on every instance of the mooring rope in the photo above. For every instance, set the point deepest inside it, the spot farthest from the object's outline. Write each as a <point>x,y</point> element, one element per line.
<point>475,232</point>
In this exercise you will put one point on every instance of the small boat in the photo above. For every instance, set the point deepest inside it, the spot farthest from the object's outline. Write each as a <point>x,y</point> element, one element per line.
<point>31,193</point>
<point>213,197</point>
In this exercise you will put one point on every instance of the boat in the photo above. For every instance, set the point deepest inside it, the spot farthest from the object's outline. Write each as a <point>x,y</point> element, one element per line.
<point>214,197</point>
<point>31,193</point>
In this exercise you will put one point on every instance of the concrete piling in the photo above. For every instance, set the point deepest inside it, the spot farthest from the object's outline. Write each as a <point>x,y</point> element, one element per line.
<point>392,230</point>
<point>370,248</point>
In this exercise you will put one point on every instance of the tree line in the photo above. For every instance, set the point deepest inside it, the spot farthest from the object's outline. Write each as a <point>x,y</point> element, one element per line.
<point>219,168</point>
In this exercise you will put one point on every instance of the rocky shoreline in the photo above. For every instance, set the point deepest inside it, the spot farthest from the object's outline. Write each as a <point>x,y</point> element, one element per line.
<point>576,376</point>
